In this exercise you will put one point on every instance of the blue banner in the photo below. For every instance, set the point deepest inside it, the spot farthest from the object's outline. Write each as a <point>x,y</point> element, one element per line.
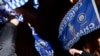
<point>43,47</point>
<point>7,6</point>
<point>13,4</point>
<point>80,20</point>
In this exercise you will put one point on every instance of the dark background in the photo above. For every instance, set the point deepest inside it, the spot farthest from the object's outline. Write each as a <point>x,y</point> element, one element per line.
<point>45,20</point>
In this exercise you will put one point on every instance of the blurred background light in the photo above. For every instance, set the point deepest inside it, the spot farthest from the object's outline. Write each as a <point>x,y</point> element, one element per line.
<point>98,39</point>
<point>71,1</point>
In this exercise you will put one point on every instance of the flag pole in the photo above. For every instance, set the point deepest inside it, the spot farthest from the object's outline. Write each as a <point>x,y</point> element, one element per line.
<point>96,10</point>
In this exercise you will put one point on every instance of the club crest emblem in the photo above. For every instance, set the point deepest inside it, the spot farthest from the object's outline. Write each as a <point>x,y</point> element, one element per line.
<point>81,18</point>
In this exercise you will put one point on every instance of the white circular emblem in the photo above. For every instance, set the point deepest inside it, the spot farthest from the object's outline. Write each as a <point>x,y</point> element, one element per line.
<point>81,18</point>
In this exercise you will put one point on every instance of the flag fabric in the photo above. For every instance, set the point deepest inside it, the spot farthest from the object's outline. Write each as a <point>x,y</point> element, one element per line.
<point>43,47</point>
<point>13,4</point>
<point>7,7</point>
<point>35,4</point>
<point>81,19</point>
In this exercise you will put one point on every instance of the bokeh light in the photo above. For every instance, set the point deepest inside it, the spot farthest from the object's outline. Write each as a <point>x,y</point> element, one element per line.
<point>71,1</point>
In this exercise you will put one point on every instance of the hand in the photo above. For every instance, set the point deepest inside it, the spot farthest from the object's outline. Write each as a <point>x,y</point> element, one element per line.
<point>14,21</point>
<point>75,51</point>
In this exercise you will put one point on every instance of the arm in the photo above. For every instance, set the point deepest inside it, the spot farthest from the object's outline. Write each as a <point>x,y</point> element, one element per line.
<point>75,51</point>
<point>86,54</point>
<point>80,52</point>
<point>7,39</point>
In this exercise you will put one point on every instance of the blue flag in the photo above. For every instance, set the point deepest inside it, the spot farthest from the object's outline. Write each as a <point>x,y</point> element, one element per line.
<point>80,20</point>
<point>7,8</point>
<point>13,4</point>
<point>43,47</point>
<point>9,5</point>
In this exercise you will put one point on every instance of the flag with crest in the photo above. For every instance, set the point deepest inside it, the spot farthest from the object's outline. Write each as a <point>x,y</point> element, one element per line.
<point>81,19</point>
